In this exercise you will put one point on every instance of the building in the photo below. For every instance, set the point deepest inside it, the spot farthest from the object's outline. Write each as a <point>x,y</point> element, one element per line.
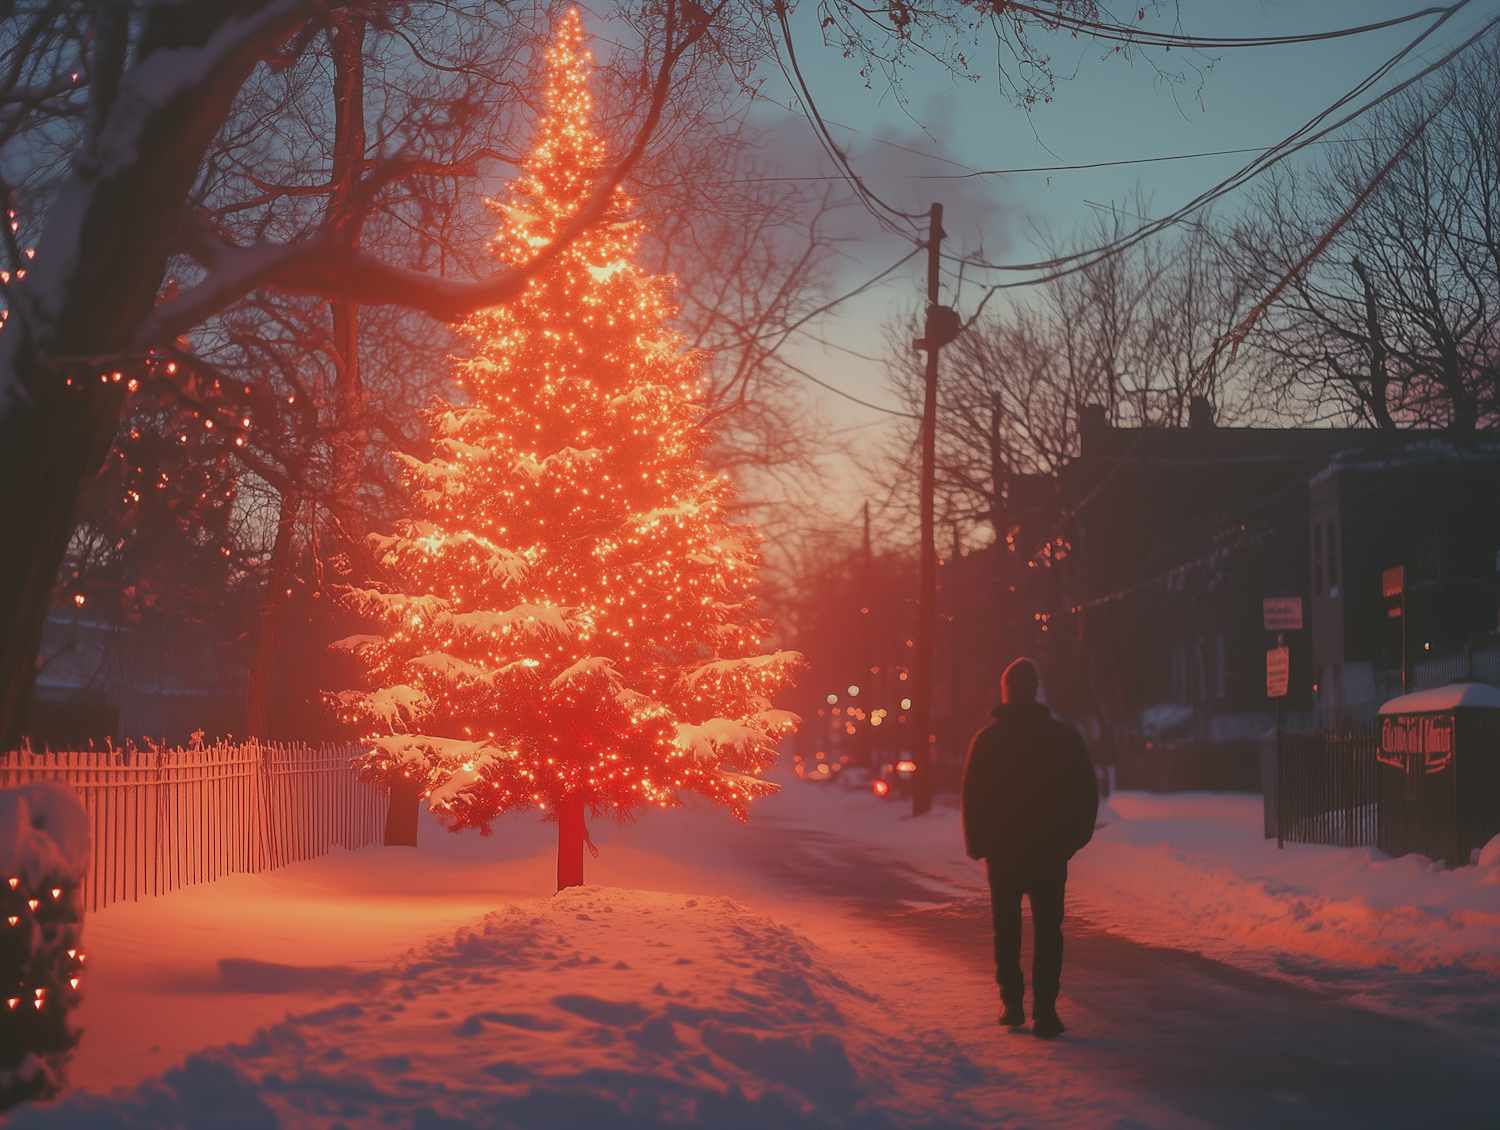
<point>99,680</point>
<point>1430,508</point>
<point>1177,535</point>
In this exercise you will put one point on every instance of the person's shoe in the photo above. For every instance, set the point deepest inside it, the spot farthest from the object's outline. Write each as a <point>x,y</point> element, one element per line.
<point>1046,1024</point>
<point>1012,1013</point>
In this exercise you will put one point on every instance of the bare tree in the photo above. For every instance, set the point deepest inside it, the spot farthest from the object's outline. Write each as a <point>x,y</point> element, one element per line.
<point>1397,322</point>
<point>331,394</point>
<point>128,101</point>
<point>1131,339</point>
<point>1133,334</point>
<point>108,109</point>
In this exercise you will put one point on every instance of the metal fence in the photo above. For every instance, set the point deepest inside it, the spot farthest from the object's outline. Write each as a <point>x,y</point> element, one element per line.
<point>167,818</point>
<point>1321,788</point>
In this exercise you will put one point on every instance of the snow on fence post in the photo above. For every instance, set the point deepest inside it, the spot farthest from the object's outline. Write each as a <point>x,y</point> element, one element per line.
<point>168,818</point>
<point>44,858</point>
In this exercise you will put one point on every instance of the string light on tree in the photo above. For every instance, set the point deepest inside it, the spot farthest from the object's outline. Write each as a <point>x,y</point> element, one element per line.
<point>574,628</point>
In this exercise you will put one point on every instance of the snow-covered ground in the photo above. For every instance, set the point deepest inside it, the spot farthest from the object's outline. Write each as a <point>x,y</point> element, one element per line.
<point>1401,935</point>
<point>825,965</point>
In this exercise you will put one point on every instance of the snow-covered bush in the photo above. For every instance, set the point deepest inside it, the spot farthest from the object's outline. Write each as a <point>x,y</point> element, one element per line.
<point>44,855</point>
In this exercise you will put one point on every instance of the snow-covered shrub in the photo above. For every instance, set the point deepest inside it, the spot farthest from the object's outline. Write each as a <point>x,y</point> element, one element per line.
<point>44,855</point>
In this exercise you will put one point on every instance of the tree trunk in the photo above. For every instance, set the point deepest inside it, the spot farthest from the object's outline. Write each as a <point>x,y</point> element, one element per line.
<point>570,834</point>
<point>49,443</point>
<point>258,683</point>
<point>401,816</point>
<point>351,429</point>
<point>98,268</point>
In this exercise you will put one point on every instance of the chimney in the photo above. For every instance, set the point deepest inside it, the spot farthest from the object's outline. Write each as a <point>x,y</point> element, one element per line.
<point>1092,424</point>
<point>1200,413</point>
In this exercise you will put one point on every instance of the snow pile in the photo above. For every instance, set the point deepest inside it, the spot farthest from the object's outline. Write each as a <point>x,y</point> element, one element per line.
<point>1193,871</point>
<point>599,1007</point>
<point>44,856</point>
<point>44,834</point>
<point>1489,855</point>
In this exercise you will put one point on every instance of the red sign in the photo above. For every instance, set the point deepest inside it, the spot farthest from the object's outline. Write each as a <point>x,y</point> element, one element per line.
<point>1393,582</point>
<point>1281,613</point>
<point>1406,738</point>
<point>1278,668</point>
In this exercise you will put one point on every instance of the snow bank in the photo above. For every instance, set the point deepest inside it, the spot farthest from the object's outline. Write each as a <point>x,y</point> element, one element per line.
<point>1200,861</point>
<point>1193,871</point>
<point>599,1007</point>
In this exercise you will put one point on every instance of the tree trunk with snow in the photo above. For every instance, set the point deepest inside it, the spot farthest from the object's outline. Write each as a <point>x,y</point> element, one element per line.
<point>401,816</point>
<point>570,836</point>
<point>351,437</point>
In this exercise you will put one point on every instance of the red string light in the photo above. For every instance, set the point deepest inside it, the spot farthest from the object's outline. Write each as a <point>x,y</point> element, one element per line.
<point>574,619</point>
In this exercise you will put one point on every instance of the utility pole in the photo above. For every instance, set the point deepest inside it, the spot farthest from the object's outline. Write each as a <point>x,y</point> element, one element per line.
<point>866,676</point>
<point>942,327</point>
<point>955,687</point>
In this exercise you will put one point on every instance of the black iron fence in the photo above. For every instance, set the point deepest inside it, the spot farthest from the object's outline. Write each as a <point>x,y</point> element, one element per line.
<point>1321,788</point>
<point>167,818</point>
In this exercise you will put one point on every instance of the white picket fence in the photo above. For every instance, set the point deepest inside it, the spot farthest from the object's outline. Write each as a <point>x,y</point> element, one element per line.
<point>167,818</point>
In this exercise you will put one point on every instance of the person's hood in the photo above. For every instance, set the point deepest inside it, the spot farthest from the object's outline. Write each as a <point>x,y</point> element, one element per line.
<point>1019,710</point>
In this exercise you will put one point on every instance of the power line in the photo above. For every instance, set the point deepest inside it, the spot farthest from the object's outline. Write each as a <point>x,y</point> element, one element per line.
<point>1091,164</point>
<point>1063,265</point>
<point>786,331</point>
<point>1005,172</point>
<point>885,214</point>
<point>847,396</point>
<point>1059,266</point>
<point>1272,156</point>
<point>1125,33</point>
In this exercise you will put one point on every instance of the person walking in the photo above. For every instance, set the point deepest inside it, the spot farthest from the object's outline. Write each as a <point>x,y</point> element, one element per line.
<point>1029,803</point>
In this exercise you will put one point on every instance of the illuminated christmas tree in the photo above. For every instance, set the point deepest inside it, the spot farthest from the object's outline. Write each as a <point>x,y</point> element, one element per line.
<point>574,628</point>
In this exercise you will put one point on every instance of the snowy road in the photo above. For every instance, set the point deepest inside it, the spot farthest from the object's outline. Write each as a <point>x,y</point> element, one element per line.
<point>1226,1046</point>
<point>825,966</point>
<point>1237,1049</point>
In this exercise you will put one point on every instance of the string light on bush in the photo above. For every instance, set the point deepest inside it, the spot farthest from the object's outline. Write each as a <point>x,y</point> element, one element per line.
<point>43,964</point>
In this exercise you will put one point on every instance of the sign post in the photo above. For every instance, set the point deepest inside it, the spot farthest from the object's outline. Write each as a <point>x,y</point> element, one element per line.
<point>1280,614</point>
<point>1278,668</point>
<point>1393,585</point>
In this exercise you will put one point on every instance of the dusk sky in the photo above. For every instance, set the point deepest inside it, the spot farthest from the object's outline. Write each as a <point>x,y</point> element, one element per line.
<point>1105,109</point>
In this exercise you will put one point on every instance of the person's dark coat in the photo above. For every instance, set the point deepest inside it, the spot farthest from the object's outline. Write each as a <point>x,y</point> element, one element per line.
<point>1029,795</point>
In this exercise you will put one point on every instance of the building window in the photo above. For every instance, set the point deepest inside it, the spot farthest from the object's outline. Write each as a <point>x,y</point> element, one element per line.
<point>1333,559</point>
<point>1317,532</point>
<point>1202,670</point>
<point>1219,673</point>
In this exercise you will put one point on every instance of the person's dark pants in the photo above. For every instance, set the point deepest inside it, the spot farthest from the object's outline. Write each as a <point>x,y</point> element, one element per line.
<point>1044,887</point>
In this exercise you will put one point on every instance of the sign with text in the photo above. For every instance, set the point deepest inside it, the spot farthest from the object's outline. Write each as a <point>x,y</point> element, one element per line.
<point>1404,736</point>
<point>1392,582</point>
<point>1282,613</point>
<point>1278,668</point>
